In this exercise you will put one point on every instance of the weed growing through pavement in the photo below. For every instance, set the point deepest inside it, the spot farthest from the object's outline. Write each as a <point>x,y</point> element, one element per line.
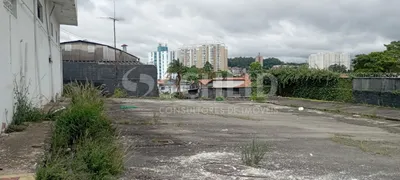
<point>253,153</point>
<point>120,93</point>
<point>24,110</point>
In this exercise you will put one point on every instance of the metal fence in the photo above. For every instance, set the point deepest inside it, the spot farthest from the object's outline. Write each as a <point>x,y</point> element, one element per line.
<point>137,80</point>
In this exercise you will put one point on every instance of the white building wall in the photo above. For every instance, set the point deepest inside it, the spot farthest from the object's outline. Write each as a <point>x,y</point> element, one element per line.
<point>21,56</point>
<point>325,59</point>
<point>161,60</point>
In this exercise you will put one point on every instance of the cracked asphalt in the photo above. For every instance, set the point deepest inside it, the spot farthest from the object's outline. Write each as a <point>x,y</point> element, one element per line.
<point>186,139</point>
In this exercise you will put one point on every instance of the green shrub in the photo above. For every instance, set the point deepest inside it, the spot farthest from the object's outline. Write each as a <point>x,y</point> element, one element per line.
<point>80,119</point>
<point>99,158</point>
<point>24,110</point>
<point>313,84</point>
<point>258,98</point>
<point>120,93</point>
<point>54,170</point>
<point>253,153</point>
<point>219,98</point>
<point>83,144</point>
<point>178,95</point>
<point>83,92</point>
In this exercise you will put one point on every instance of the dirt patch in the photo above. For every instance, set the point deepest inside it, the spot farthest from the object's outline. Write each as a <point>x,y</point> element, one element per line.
<point>20,151</point>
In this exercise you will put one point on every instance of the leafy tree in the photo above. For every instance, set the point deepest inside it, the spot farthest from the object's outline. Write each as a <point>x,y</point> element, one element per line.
<point>393,49</point>
<point>376,62</point>
<point>338,68</point>
<point>242,62</point>
<point>223,74</point>
<point>255,70</point>
<point>193,69</point>
<point>208,67</point>
<point>177,67</point>
<point>208,70</point>
<point>270,62</point>
<point>379,62</point>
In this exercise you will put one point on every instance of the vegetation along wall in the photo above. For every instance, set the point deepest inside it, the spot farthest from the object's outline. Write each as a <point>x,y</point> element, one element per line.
<point>312,84</point>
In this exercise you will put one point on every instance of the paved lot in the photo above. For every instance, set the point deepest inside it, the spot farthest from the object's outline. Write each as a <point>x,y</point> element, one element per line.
<point>202,140</point>
<point>346,108</point>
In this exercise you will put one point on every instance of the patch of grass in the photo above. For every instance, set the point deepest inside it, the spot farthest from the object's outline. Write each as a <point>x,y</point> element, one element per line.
<point>220,98</point>
<point>253,153</point>
<point>260,98</point>
<point>396,92</point>
<point>16,128</point>
<point>84,143</point>
<point>120,93</point>
<point>166,97</point>
<point>375,147</point>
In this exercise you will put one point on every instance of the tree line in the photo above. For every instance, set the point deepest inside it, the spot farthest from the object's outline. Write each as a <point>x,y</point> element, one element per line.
<point>387,61</point>
<point>268,63</point>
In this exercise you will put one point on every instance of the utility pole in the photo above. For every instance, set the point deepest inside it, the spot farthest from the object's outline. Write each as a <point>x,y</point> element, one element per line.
<point>114,19</point>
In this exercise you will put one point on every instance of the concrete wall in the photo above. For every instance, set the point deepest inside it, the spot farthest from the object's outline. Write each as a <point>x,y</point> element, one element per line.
<point>225,92</point>
<point>23,55</point>
<point>377,91</point>
<point>144,76</point>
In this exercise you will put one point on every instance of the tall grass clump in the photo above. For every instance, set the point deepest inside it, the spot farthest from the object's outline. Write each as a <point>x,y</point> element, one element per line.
<point>84,144</point>
<point>253,153</point>
<point>120,93</point>
<point>23,110</point>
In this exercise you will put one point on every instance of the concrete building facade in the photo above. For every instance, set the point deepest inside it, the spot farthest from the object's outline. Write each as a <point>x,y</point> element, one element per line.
<point>30,50</point>
<point>323,60</point>
<point>161,59</point>
<point>198,55</point>
<point>260,59</point>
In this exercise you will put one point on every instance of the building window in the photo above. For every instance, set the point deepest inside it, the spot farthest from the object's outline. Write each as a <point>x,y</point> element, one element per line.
<point>39,10</point>
<point>52,29</point>
<point>11,6</point>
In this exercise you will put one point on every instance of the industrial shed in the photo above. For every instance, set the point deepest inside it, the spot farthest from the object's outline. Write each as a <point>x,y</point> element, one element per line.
<point>86,51</point>
<point>84,60</point>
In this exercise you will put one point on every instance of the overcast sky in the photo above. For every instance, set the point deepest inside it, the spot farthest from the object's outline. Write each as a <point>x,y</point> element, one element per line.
<point>287,29</point>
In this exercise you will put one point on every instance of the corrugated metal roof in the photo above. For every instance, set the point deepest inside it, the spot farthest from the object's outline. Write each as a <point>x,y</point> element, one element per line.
<point>90,42</point>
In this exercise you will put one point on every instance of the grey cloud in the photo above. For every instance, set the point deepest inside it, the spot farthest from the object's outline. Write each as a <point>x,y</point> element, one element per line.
<point>290,29</point>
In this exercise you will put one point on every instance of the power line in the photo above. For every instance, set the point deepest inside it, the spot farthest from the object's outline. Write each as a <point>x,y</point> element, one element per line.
<point>70,33</point>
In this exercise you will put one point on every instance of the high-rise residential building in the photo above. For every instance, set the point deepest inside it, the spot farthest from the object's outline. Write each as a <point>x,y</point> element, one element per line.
<point>198,55</point>
<point>260,59</point>
<point>161,59</point>
<point>323,60</point>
